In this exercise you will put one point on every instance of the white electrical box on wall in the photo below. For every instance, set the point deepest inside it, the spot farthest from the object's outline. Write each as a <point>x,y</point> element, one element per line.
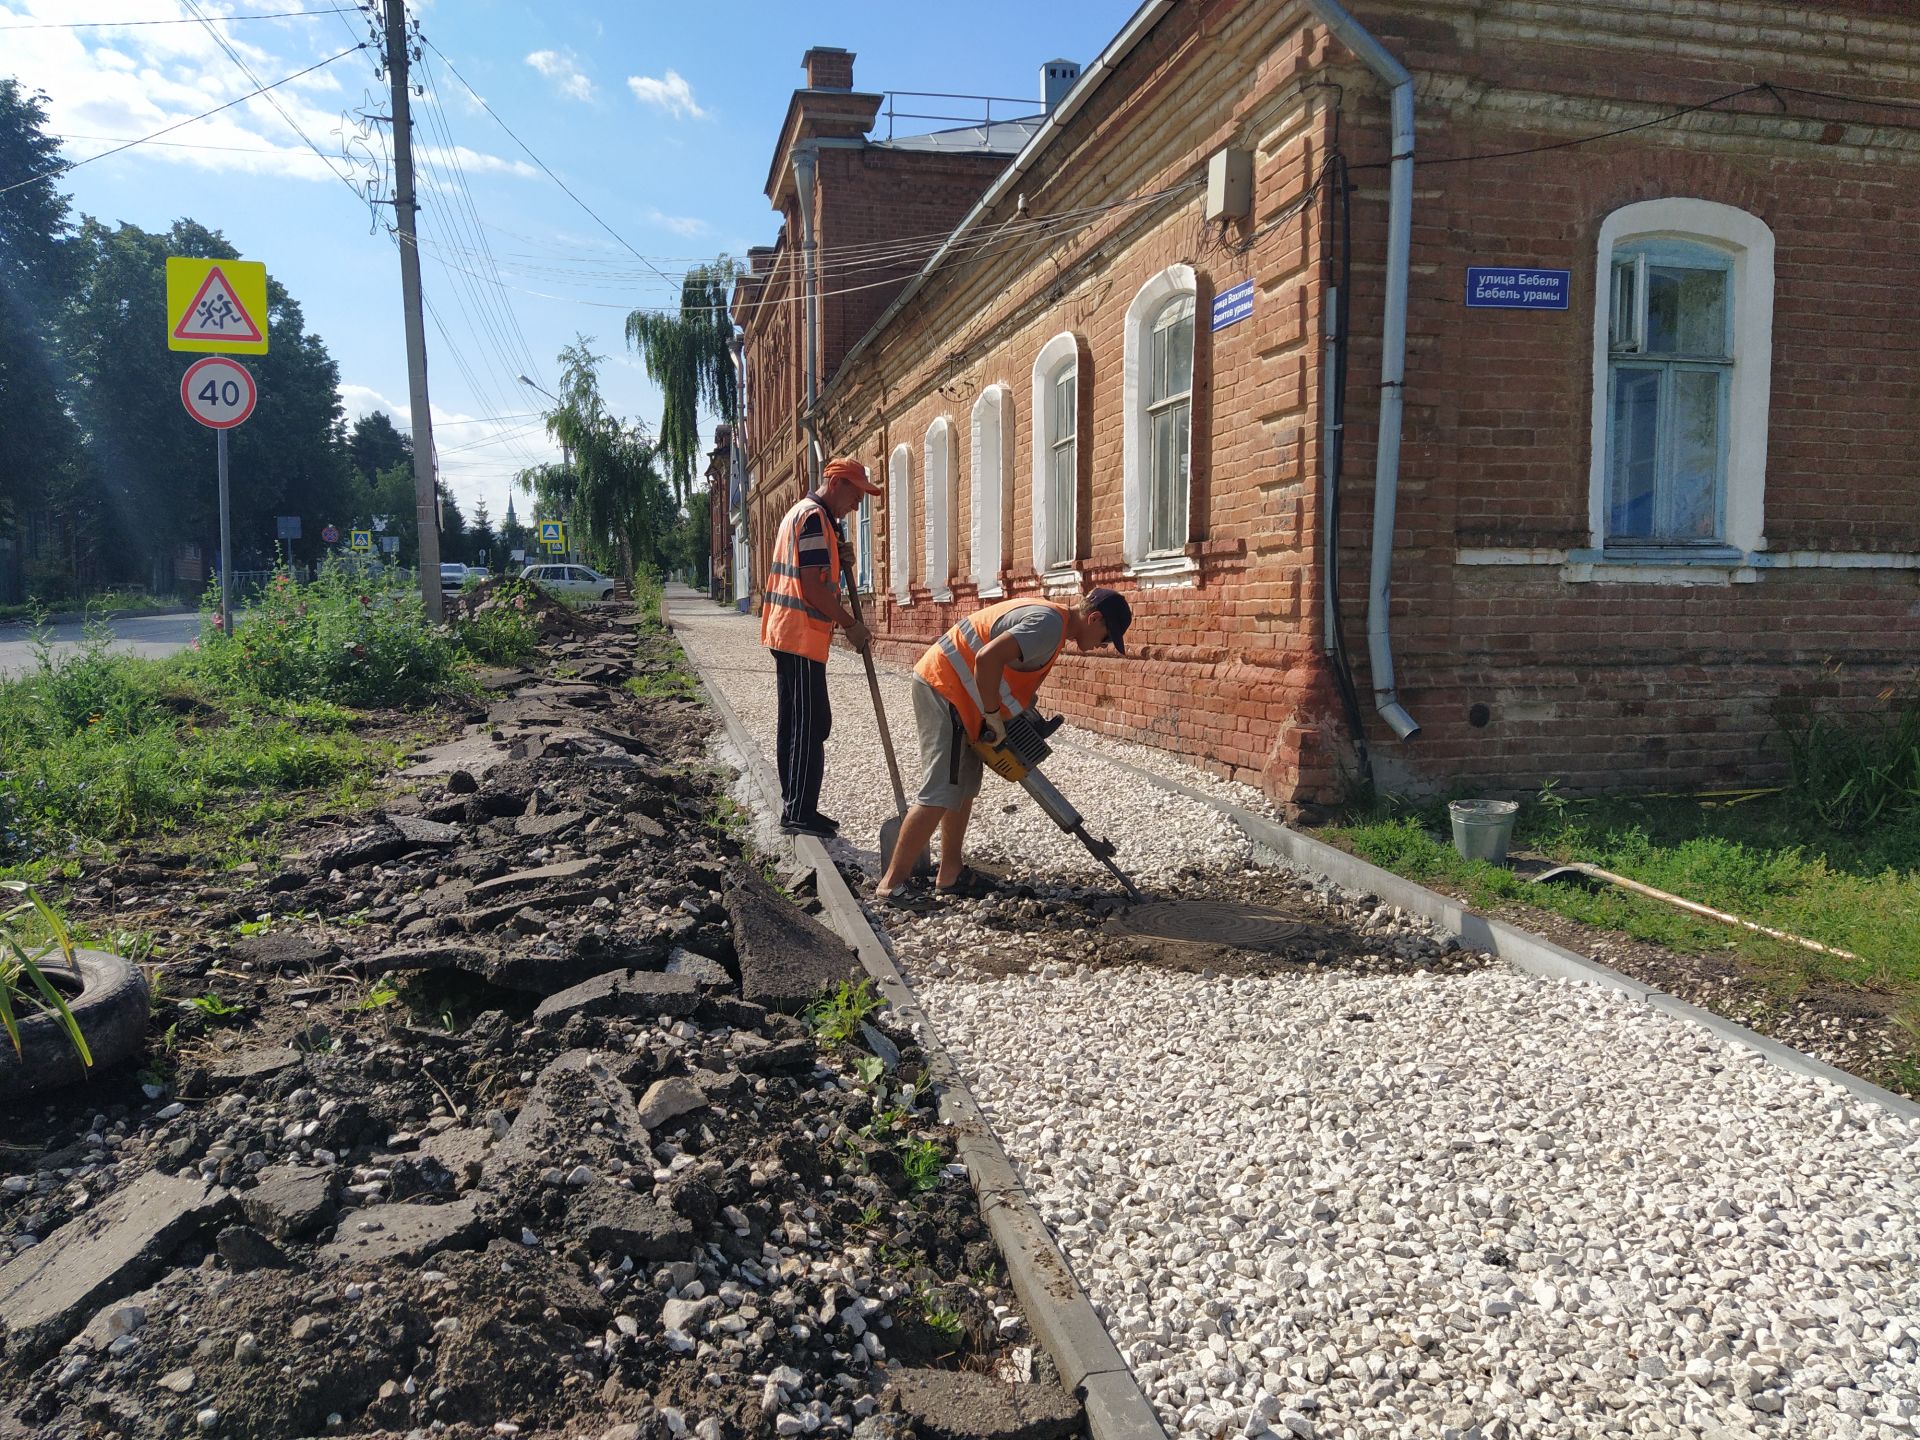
<point>1230,185</point>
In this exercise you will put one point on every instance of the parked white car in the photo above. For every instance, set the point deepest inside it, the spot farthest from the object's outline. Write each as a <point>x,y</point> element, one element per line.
<point>577,581</point>
<point>452,577</point>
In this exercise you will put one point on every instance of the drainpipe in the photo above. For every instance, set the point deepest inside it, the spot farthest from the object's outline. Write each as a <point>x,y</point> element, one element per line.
<point>803,162</point>
<point>1393,355</point>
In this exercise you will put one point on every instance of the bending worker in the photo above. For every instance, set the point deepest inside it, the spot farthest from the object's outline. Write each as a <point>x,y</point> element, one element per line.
<point>797,621</point>
<point>1002,652</point>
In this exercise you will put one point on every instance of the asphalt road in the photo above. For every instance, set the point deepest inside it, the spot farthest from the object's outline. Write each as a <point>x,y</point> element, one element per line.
<point>150,636</point>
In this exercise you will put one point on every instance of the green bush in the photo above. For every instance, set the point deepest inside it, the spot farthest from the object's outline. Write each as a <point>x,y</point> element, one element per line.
<point>502,631</point>
<point>341,638</point>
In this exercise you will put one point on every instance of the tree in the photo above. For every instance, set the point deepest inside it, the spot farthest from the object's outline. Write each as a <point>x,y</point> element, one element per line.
<point>687,356</point>
<point>39,445</point>
<point>480,537</point>
<point>375,444</point>
<point>612,492</point>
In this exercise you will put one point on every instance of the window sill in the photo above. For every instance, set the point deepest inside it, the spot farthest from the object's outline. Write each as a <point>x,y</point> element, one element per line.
<point>1164,572</point>
<point>902,598</point>
<point>1062,582</point>
<point>989,592</point>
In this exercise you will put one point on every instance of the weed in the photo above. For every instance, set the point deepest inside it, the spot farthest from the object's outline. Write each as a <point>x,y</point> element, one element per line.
<point>253,927</point>
<point>502,631</point>
<point>922,1160</point>
<point>213,1007</point>
<point>381,995</point>
<point>674,682</point>
<point>943,1322</point>
<point>31,932</point>
<point>835,1017</point>
<point>869,1217</point>
<point>869,1068</point>
<point>1855,770</point>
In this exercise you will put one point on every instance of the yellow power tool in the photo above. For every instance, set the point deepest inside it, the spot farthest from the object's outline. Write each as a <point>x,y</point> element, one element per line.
<point>1018,759</point>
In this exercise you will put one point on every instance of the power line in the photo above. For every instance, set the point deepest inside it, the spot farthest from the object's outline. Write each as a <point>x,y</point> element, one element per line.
<point>455,71</point>
<point>175,20</point>
<point>180,124</point>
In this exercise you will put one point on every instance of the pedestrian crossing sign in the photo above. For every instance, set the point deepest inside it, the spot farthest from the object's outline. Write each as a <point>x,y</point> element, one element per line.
<point>216,306</point>
<point>552,532</point>
<point>362,540</point>
<point>555,547</point>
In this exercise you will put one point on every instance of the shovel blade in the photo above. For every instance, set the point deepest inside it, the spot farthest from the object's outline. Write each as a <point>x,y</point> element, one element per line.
<point>890,836</point>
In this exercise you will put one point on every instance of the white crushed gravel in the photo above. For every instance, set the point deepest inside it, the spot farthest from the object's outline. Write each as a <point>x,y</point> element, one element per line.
<point>1416,1205</point>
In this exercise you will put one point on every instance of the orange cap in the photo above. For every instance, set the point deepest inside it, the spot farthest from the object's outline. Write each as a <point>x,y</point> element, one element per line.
<point>853,470</point>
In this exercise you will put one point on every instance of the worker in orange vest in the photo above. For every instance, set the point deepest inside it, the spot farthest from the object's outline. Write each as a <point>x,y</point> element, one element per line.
<point>968,684</point>
<point>797,620</point>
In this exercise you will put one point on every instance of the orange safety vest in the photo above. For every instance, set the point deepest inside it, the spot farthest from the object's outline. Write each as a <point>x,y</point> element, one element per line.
<point>951,663</point>
<point>787,621</point>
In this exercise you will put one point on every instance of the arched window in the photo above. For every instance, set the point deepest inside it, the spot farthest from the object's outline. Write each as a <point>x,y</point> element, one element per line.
<point>939,487</point>
<point>1158,438</point>
<point>988,480</point>
<point>900,522</point>
<point>1056,454</point>
<point>863,547</point>
<point>1683,353</point>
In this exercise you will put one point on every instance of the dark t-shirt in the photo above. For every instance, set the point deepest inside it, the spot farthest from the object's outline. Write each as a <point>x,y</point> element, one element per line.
<point>812,544</point>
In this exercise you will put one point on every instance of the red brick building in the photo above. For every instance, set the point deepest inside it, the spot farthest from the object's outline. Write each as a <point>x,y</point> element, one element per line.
<point>1653,476</point>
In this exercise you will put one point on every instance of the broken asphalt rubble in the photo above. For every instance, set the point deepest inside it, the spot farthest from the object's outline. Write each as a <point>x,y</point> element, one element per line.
<point>505,1124</point>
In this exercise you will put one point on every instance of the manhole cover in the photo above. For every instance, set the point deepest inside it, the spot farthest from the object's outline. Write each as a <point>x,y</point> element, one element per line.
<point>1212,922</point>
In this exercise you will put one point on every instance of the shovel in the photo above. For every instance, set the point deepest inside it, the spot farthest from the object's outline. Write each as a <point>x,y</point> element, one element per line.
<point>889,829</point>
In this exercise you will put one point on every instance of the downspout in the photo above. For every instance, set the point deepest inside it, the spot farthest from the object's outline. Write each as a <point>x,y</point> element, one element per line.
<point>1393,356</point>
<point>739,482</point>
<point>803,163</point>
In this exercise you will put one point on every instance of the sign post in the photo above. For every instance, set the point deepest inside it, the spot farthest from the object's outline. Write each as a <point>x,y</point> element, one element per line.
<point>220,393</point>
<point>218,305</point>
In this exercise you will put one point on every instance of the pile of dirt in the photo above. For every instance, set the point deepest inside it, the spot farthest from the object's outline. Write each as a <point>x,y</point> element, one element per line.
<point>552,616</point>
<point>489,1113</point>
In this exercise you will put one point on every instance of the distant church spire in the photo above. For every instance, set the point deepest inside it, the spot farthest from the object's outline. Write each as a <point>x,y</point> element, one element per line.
<point>512,520</point>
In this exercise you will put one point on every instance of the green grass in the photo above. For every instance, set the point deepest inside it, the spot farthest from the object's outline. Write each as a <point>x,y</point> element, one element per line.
<point>1766,858</point>
<point>239,733</point>
<point>835,1017</point>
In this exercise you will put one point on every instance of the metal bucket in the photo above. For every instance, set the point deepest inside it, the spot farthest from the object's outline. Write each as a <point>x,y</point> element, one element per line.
<point>1482,829</point>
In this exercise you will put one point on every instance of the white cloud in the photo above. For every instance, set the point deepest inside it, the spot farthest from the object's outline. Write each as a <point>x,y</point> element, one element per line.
<point>687,225</point>
<point>671,94</point>
<point>564,73</point>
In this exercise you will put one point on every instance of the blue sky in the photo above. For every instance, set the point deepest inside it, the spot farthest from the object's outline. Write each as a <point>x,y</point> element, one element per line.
<point>660,116</point>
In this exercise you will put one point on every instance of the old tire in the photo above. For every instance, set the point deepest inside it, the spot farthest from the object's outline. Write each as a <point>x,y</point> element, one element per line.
<point>111,1009</point>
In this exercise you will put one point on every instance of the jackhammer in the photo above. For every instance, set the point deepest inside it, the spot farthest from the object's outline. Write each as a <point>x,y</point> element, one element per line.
<point>1018,759</point>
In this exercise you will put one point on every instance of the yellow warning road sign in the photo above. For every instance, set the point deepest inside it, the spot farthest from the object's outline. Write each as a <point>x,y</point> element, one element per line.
<point>217,306</point>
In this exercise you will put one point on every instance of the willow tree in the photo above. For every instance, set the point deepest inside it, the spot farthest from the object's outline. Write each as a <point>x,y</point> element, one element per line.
<point>686,355</point>
<point>610,487</point>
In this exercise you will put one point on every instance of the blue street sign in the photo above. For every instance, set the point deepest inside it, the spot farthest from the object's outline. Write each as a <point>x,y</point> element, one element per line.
<point>1232,306</point>
<point>1516,287</point>
<point>550,532</point>
<point>287,526</point>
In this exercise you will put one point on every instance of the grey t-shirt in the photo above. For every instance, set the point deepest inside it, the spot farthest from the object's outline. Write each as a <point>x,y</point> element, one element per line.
<point>1039,629</point>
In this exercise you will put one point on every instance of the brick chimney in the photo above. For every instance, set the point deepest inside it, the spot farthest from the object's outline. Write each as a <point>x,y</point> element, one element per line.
<point>829,68</point>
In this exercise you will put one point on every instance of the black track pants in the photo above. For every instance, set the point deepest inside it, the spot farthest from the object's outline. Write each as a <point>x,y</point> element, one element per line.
<point>806,719</point>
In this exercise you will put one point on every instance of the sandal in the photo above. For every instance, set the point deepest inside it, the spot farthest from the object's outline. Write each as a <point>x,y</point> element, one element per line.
<point>971,885</point>
<point>899,898</point>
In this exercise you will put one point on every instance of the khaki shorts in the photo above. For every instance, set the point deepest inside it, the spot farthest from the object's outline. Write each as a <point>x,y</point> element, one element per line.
<point>949,765</point>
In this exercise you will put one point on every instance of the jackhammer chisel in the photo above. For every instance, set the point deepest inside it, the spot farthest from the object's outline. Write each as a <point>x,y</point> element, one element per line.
<point>1018,759</point>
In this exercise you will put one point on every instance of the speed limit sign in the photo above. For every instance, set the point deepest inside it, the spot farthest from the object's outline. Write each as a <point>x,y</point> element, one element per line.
<point>218,392</point>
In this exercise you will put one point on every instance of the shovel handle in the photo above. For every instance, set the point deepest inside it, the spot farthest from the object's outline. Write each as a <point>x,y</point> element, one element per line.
<point>873,688</point>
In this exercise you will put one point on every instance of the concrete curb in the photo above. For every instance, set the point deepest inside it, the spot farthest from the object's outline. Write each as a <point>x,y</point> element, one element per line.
<point>1534,954</point>
<point>1063,1319</point>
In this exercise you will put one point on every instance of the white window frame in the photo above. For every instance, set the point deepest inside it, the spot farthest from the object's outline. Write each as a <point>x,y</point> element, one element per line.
<point>900,522</point>
<point>863,547</point>
<point>986,474</point>
<point>1748,244</point>
<point>939,490</point>
<point>1174,281</point>
<point>1060,353</point>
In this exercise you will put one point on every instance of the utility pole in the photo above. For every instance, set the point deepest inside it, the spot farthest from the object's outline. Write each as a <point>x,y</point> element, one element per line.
<point>426,497</point>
